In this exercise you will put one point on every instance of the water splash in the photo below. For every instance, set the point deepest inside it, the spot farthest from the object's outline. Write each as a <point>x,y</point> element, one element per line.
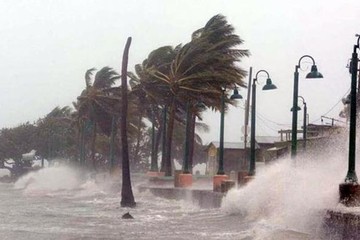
<point>48,180</point>
<point>290,196</point>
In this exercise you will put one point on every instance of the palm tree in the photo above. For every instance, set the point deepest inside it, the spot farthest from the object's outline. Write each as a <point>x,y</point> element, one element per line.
<point>200,69</point>
<point>96,103</point>
<point>127,196</point>
<point>153,97</point>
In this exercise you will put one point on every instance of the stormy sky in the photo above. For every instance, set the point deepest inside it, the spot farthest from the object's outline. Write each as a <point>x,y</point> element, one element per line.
<point>47,45</point>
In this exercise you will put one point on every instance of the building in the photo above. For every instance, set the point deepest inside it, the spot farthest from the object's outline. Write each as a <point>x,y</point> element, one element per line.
<point>235,157</point>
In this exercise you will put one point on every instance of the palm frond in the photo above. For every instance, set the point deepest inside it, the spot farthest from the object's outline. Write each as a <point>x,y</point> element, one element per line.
<point>88,75</point>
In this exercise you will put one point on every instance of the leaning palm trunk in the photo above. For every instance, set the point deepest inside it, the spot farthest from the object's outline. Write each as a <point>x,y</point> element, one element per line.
<point>127,196</point>
<point>163,139</point>
<point>169,135</point>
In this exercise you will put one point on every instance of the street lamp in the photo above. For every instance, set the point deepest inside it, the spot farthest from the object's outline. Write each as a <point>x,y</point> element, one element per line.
<point>220,175</point>
<point>304,121</point>
<point>351,174</point>
<point>235,95</point>
<point>350,190</point>
<point>312,74</point>
<point>268,86</point>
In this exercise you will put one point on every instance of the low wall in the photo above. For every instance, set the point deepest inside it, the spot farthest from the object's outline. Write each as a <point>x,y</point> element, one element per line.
<point>202,198</point>
<point>344,225</point>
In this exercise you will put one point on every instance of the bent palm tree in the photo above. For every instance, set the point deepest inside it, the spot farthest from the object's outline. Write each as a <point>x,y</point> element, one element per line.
<point>201,69</point>
<point>96,103</point>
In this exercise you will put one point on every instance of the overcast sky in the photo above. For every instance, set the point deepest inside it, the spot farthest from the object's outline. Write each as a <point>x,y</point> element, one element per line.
<point>46,46</point>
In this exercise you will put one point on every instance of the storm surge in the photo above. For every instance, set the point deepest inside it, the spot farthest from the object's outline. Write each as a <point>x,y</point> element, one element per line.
<point>290,194</point>
<point>49,180</point>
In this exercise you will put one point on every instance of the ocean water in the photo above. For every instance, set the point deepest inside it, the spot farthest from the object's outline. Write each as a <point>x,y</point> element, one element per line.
<point>285,201</point>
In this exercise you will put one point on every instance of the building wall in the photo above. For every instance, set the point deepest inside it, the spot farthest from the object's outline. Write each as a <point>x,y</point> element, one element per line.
<point>234,160</point>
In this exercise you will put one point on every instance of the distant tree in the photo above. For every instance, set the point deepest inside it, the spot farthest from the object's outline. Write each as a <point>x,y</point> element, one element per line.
<point>18,140</point>
<point>57,135</point>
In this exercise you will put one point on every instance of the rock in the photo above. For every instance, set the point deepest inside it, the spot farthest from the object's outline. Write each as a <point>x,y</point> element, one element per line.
<point>127,216</point>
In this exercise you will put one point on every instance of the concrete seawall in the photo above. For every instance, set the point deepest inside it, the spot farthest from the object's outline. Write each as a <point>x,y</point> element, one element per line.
<point>342,224</point>
<point>200,197</point>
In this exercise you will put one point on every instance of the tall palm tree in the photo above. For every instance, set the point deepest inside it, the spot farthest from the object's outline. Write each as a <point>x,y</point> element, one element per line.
<point>127,196</point>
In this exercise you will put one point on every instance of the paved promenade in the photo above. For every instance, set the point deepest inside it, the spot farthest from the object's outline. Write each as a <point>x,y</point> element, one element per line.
<point>201,193</point>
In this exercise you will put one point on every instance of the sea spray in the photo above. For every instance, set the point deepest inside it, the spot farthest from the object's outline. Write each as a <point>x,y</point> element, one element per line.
<point>290,195</point>
<point>48,180</point>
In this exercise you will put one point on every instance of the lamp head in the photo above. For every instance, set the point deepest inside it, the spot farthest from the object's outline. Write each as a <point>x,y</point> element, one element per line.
<point>346,100</point>
<point>314,73</point>
<point>236,95</point>
<point>269,85</point>
<point>200,105</point>
<point>298,109</point>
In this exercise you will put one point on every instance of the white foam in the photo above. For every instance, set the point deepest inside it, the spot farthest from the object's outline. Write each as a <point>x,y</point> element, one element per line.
<point>48,180</point>
<point>286,196</point>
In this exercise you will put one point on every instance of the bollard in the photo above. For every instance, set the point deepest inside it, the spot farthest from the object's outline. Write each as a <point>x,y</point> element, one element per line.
<point>226,185</point>
<point>176,178</point>
<point>217,179</point>
<point>350,194</point>
<point>185,180</point>
<point>242,178</point>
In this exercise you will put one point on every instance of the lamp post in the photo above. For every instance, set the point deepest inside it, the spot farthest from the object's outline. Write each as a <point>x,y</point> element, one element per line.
<point>236,95</point>
<point>351,174</point>
<point>268,86</point>
<point>312,74</point>
<point>220,175</point>
<point>304,122</point>
<point>350,190</point>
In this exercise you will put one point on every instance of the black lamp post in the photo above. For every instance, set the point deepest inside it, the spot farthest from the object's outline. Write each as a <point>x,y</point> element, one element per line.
<point>304,122</point>
<point>312,74</point>
<point>351,174</point>
<point>236,95</point>
<point>350,189</point>
<point>268,86</point>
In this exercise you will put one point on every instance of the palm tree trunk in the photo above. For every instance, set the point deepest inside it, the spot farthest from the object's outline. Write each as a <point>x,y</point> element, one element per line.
<point>154,161</point>
<point>82,143</point>
<point>127,196</point>
<point>112,144</point>
<point>192,141</point>
<point>93,146</point>
<point>163,139</point>
<point>138,138</point>
<point>169,134</point>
